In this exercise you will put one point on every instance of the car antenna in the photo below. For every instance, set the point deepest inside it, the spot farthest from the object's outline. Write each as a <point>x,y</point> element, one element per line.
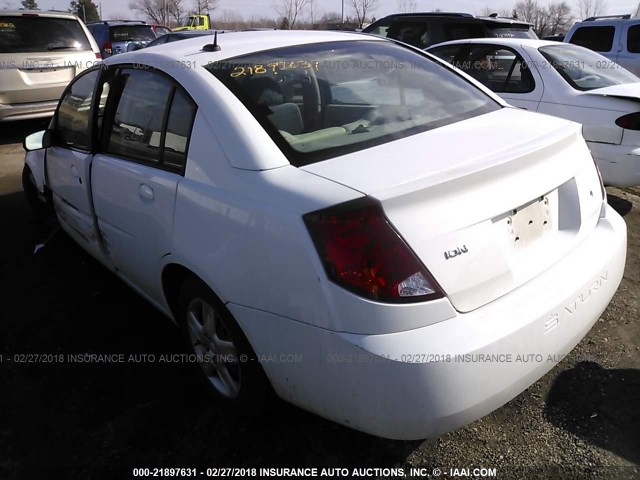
<point>212,47</point>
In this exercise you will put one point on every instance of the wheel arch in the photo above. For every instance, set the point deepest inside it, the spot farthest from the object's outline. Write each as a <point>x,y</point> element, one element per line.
<point>173,277</point>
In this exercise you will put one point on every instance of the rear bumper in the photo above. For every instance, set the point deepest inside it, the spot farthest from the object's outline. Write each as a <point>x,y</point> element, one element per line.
<point>430,380</point>
<point>27,111</point>
<point>618,164</point>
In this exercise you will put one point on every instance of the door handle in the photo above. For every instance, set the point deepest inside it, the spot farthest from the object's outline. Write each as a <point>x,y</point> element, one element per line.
<point>146,191</point>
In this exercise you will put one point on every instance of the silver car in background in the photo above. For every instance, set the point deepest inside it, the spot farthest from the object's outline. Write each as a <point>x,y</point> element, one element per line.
<point>40,53</point>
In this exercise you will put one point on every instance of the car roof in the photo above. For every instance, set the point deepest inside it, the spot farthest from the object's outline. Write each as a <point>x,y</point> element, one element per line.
<point>510,42</point>
<point>36,13</point>
<point>457,15</point>
<point>234,44</point>
<point>608,20</point>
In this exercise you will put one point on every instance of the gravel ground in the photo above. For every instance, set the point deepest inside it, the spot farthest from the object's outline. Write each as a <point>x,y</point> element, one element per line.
<point>82,421</point>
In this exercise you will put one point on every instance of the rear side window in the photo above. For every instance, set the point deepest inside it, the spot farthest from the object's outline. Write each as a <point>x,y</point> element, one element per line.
<point>179,123</point>
<point>41,34</point>
<point>633,39</point>
<point>152,120</point>
<point>129,33</point>
<point>500,69</point>
<point>74,112</point>
<point>598,39</point>
<point>446,52</point>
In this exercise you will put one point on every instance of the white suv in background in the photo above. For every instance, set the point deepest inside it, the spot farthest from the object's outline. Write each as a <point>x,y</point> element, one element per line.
<point>40,53</point>
<point>617,37</point>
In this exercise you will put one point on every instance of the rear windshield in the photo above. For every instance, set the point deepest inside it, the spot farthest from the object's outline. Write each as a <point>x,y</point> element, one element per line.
<point>323,100</point>
<point>509,31</point>
<point>41,34</point>
<point>127,33</point>
<point>584,69</point>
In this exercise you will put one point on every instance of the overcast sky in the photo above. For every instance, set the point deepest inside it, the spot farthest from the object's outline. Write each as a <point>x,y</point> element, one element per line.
<point>258,8</point>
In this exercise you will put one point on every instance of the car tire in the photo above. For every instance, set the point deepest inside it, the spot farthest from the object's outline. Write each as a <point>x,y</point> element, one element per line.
<point>225,361</point>
<point>40,205</point>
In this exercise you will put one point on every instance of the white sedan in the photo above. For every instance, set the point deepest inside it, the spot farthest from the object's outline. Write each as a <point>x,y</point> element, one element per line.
<point>567,81</point>
<point>322,220</point>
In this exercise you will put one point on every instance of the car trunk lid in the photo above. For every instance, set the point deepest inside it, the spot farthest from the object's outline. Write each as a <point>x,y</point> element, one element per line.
<point>629,91</point>
<point>487,203</point>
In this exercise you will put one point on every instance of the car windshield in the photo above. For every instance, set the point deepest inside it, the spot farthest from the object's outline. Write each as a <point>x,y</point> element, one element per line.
<point>584,69</point>
<point>322,100</point>
<point>23,34</point>
<point>127,33</point>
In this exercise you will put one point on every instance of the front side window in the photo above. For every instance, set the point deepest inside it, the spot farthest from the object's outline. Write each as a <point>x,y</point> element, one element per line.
<point>584,69</point>
<point>72,120</point>
<point>319,101</point>
<point>41,34</point>
<point>598,39</point>
<point>152,120</point>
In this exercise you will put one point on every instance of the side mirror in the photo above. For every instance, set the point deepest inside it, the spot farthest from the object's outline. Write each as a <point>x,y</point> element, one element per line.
<point>37,141</point>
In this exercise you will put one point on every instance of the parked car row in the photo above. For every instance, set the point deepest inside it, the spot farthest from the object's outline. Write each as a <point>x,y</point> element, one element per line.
<point>566,81</point>
<point>357,240</point>
<point>120,36</point>
<point>41,52</point>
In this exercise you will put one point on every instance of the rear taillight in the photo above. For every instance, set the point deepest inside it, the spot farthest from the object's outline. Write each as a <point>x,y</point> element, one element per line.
<point>630,121</point>
<point>362,252</point>
<point>107,47</point>
<point>98,55</point>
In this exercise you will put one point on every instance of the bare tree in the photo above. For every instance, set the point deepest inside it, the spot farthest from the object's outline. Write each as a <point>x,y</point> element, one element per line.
<point>231,20</point>
<point>406,6</point>
<point>312,12</point>
<point>530,11</point>
<point>177,10</point>
<point>155,10</point>
<point>361,8</point>
<point>559,17</point>
<point>290,10</point>
<point>590,8</point>
<point>502,12</point>
<point>527,10</point>
<point>552,19</point>
<point>205,6</point>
